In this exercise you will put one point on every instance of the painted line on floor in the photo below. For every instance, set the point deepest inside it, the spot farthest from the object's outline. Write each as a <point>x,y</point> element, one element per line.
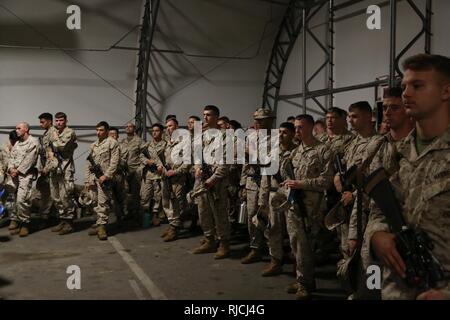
<point>151,287</point>
<point>137,290</point>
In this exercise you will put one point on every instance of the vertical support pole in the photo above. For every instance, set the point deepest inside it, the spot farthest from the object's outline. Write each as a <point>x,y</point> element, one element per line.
<point>392,56</point>
<point>305,87</point>
<point>331,53</point>
<point>428,34</point>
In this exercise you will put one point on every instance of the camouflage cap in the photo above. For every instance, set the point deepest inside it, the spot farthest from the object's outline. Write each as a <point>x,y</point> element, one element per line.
<point>263,113</point>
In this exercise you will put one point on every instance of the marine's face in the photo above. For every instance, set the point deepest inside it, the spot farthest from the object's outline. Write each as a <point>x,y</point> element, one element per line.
<point>60,123</point>
<point>130,128</point>
<point>424,92</point>
<point>101,132</point>
<point>113,134</point>
<point>45,123</point>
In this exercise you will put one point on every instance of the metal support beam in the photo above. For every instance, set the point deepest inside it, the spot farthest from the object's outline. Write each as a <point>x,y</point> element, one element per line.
<point>393,13</point>
<point>425,18</point>
<point>324,92</point>
<point>148,28</point>
<point>428,33</point>
<point>284,43</point>
<point>305,84</point>
<point>331,52</point>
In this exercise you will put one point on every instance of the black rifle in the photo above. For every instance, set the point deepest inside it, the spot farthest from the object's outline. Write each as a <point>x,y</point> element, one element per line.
<point>347,177</point>
<point>95,168</point>
<point>296,197</point>
<point>153,167</point>
<point>57,156</point>
<point>423,270</point>
<point>42,152</point>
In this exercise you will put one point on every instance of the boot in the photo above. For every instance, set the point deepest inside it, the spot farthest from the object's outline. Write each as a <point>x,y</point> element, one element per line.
<point>155,220</point>
<point>223,251</point>
<point>274,268</point>
<point>13,225</point>
<point>24,231</point>
<point>171,235</point>
<point>292,288</point>
<point>164,234</point>
<point>208,246</point>
<point>67,228</point>
<point>93,231</point>
<point>59,227</point>
<point>101,233</point>
<point>302,293</point>
<point>253,256</point>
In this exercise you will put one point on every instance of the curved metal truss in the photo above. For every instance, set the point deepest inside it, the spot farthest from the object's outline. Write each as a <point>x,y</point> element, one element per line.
<point>284,43</point>
<point>145,46</point>
<point>297,16</point>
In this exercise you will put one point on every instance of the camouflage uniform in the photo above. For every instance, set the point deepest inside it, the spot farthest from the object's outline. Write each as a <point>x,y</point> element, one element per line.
<point>62,185</point>
<point>353,155</point>
<point>251,181</point>
<point>173,188</point>
<point>105,153</point>
<point>336,144</point>
<point>23,157</point>
<point>43,182</point>
<point>384,148</point>
<point>5,154</point>
<point>312,166</point>
<point>120,185</point>
<point>422,185</point>
<point>151,187</point>
<point>269,191</point>
<point>212,204</point>
<point>134,147</point>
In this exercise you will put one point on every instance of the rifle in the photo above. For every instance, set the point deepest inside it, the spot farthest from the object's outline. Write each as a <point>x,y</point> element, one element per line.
<point>153,168</point>
<point>95,168</point>
<point>296,197</point>
<point>423,270</point>
<point>57,156</point>
<point>347,177</point>
<point>42,152</point>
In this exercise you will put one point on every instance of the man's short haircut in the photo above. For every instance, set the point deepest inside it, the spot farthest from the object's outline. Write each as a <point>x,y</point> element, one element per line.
<point>170,116</point>
<point>159,125</point>
<point>194,117</point>
<point>288,125</point>
<point>338,111</point>
<point>46,116</point>
<point>172,119</point>
<point>363,106</point>
<point>213,109</point>
<point>114,129</point>
<point>224,119</point>
<point>290,118</point>
<point>308,118</point>
<point>60,115</point>
<point>103,124</point>
<point>425,62</point>
<point>321,122</point>
<point>235,124</point>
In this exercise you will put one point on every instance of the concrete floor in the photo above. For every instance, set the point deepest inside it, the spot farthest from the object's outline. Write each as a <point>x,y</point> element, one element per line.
<point>137,264</point>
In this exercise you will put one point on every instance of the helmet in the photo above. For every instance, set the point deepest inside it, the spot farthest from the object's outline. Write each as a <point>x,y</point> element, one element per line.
<point>263,113</point>
<point>86,197</point>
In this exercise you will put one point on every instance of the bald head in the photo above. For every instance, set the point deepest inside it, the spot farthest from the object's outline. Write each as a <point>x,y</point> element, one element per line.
<point>23,130</point>
<point>130,129</point>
